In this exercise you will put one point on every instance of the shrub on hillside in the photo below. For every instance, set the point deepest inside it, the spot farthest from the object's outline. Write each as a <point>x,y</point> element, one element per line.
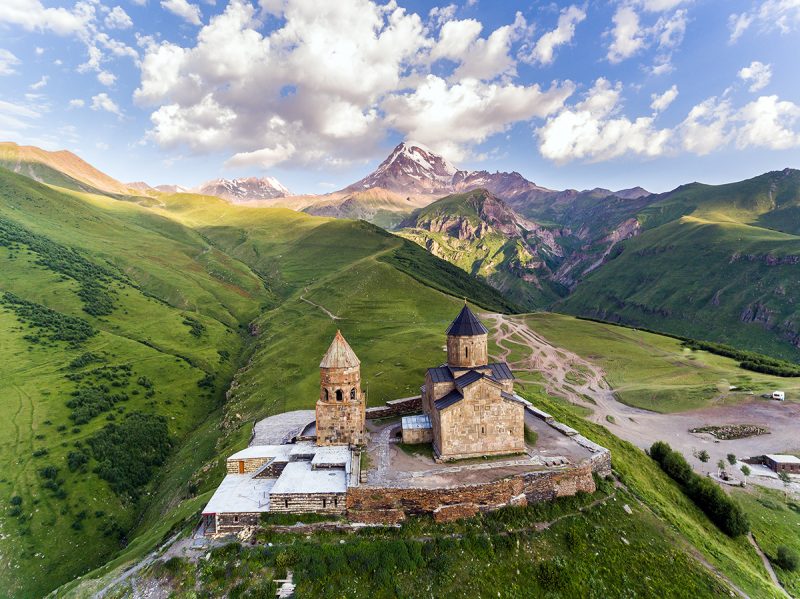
<point>129,452</point>
<point>707,495</point>
<point>787,558</point>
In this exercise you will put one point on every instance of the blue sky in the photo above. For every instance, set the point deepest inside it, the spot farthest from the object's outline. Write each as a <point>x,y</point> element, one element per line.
<point>613,94</point>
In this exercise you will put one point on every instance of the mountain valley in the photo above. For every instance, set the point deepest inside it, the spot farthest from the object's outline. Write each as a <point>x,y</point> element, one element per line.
<point>151,321</point>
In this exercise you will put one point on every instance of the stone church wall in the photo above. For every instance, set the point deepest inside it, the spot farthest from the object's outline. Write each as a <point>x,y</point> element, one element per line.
<point>481,424</point>
<point>390,505</point>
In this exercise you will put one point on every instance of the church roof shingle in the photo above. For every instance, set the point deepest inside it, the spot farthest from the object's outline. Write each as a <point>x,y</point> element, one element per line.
<point>501,371</point>
<point>441,374</point>
<point>339,354</point>
<point>448,400</point>
<point>466,324</point>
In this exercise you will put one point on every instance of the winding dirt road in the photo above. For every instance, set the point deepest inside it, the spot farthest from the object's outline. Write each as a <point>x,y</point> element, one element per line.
<point>565,374</point>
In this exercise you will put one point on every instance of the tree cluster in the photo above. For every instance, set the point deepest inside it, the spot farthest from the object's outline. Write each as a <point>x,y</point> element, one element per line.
<point>723,511</point>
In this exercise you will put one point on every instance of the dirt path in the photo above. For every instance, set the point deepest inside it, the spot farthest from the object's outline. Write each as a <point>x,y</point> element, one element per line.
<point>583,383</point>
<point>565,374</point>
<point>767,564</point>
<point>330,314</point>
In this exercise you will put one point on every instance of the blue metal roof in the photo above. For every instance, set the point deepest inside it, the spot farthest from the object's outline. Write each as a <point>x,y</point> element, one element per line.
<point>448,400</point>
<point>466,324</point>
<point>467,379</point>
<point>501,371</point>
<point>440,374</point>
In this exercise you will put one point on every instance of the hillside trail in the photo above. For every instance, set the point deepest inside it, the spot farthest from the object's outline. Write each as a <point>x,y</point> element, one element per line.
<point>565,373</point>
<point>767,564</point>
<point>587,387</point>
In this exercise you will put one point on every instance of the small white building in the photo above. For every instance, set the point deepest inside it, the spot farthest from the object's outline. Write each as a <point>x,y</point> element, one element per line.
<point>779,395</point>
<point>292,478</point>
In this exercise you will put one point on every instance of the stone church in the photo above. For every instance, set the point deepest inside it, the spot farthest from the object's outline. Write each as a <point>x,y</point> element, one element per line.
<point>469,401</point>
<point>341,406</point>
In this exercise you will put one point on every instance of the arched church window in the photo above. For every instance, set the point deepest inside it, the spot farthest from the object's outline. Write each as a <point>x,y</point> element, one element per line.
<point>326,395</point>
<point>353,393</point>
<point>339,395</point>
<point>466,352</point>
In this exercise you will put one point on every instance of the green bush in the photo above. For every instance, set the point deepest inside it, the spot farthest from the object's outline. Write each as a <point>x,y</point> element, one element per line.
<point>129,452</point>
<point>707,495</point>
<point>53,326</point>
<point>787,558</point>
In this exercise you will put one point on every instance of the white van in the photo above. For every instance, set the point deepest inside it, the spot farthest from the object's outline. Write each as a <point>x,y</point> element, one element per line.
<point>779,395</point>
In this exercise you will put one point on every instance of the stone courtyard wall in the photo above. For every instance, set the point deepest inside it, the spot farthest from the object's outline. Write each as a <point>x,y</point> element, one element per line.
<point>396,407</point>
<point>390,505</point>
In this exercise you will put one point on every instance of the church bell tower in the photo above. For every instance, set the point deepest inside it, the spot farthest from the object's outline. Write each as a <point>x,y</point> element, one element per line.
<point>341,407</point>
<point>467,341</point>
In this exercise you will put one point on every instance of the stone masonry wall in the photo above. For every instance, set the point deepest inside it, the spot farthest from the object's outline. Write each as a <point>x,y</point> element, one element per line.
<point>403,407</point>
<point>340,422</point>
<point>413,436</point>
<point>467,352</point>
<point>250,465</point>
<point>481,424</point>
<point>233,523</point>
<point>301,503</point>
<point>374,505</point>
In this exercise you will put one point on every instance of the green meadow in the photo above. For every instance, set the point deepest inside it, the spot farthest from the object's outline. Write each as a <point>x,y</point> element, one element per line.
<point>656,372</point>
<point>123,324</point>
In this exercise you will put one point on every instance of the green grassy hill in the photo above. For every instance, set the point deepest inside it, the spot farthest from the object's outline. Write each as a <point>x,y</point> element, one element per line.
<point>481,235</point>
<point>713,262</point>
<point>123,323</point>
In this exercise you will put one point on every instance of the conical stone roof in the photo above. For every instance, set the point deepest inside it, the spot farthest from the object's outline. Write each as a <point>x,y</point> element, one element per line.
<point>339,354</point>
<point>466,324</point>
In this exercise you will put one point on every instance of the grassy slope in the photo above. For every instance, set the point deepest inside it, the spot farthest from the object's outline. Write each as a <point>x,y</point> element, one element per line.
<point>191,256</point>
<point>735,557</point>
<point>652,371</point>
<point>775,521</point>
<point>705,259</point>
<point>493,256</point>
<point>169,263</point>
<point>394,322</point>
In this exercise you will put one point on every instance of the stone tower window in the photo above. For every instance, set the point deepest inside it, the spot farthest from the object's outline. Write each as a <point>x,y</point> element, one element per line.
<point>483,430</point>
<point>326,395</point>
<point>353,393</point>
<point>466,352</point>
<point>339,395</point>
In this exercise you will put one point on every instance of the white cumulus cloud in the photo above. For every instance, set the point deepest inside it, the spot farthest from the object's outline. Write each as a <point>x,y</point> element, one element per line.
<point>769,123</point>
<point>185,10</point>
<point>118,19</point>
<point>770,15</point>
<point>660,102</point>
<point>103,102</point>
<point>628,36</point>
<point>544,49</point>
<point>592,130</point>
<point>33,16</point>
<point>757,75</point>
<point>41,83</point>
<point>450,118</point>
<point>332,80</point>
<point>106,78</point>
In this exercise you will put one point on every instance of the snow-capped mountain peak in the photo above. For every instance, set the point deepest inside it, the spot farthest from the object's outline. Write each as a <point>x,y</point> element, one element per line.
<point>410,168</point>
<point>245,189</point>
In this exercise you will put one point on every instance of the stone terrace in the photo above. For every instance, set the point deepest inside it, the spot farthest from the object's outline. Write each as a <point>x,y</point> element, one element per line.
<point>391,466</point>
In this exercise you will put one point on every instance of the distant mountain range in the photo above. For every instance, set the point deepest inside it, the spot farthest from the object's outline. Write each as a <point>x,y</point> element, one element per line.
<point>712,262</point>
